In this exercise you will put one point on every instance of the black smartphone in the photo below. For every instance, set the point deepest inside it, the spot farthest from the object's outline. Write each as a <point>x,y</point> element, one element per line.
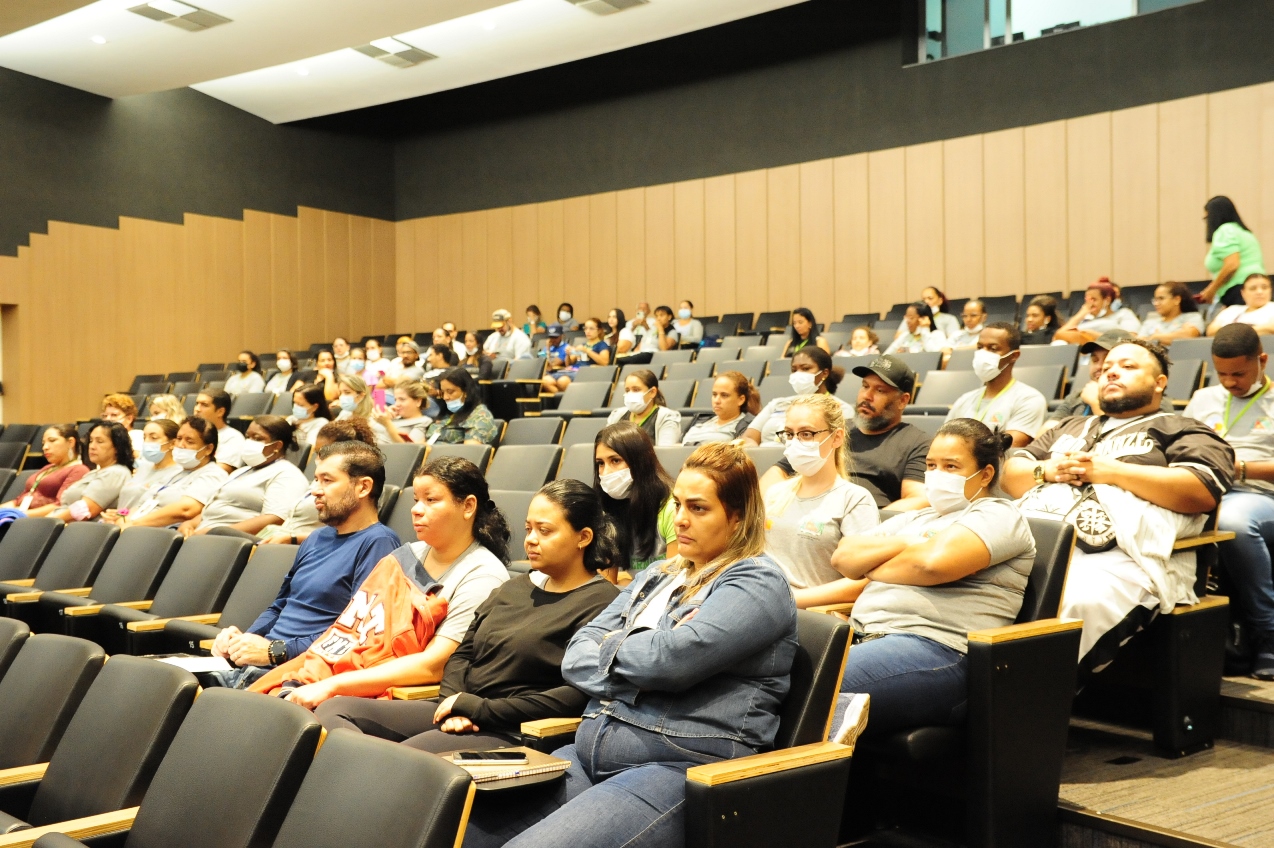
<point>490,757</point>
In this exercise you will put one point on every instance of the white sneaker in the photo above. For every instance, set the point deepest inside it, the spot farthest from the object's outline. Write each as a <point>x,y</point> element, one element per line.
<point>855,720</point>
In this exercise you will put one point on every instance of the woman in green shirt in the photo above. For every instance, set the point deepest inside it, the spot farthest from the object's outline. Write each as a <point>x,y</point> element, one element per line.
<point>1234,255</point>
<point>636,493</point>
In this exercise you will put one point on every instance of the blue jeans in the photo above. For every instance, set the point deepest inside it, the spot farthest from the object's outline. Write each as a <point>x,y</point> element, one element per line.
<point>1246,559</point>
<point>913,682</point>
<point>625,787</point>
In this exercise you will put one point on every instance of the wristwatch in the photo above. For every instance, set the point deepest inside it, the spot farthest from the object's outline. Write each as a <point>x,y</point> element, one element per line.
<point>1038,473</point>
<point>278,652</point>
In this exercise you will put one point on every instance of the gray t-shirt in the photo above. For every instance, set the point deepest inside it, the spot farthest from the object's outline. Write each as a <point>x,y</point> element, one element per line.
<point>990,598</point>
<point>1019,407</point>
<point>713,430</point>
<point>143,483</point>
<point>101,485</point>
<point>1250,434</point>
<point>801,534</point>
<point>1154,323</point>
<point>249,492</point>
<point>466,584</point>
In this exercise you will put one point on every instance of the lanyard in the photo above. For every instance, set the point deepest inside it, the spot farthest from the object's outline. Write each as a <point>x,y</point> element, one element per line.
<point>1225,427</point>
<point>977,410</point>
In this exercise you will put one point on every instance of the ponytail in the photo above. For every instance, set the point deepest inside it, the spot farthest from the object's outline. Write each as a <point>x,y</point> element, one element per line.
<point>582,508</point>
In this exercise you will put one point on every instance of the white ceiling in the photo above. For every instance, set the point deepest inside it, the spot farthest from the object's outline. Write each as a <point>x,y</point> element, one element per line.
<point>285,60</point>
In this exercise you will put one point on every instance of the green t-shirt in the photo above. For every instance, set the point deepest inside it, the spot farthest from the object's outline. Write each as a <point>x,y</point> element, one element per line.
<point>1228,239</point>
<point>667,535</point>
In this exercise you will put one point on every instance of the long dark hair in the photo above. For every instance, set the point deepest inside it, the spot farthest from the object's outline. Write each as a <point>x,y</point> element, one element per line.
<point>119,440</point>
<point>582,508</point>
<point>1182,291</point>
<point>808,316</point>
<point>462,478</point>
<point>823,361</point>
<point>922,311</point>
<point>1048,305</point>
<point>205,430</point>
<point>942,307</point>
<point>279,429</point>
<point>650,381</point>
<point>70,431</point>
<point>1220,211</point>
<point>463,381</point>
<point>620,321</point>
<point>986,445</point>
<point>637,516</point>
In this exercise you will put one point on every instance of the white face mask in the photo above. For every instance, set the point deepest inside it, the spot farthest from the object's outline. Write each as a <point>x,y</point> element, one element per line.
<point>252,453</point>
<point>802,382</point>
<point>373,355</point>
<point>945,490</point>
<point>617,484</point>
<point>987,365</point>
<point>806,457</point>
<point>186,458</point>
<point>564,316</point>
<point>284,365</point>
<point>634,402</point>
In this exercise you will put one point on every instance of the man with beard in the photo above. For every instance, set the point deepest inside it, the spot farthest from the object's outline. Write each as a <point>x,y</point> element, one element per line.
<point>888,455</point>
<point>330,565</point>
<point>1160,473</point>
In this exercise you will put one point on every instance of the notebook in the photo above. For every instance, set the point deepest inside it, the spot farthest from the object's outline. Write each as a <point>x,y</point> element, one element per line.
<point>536,764</point>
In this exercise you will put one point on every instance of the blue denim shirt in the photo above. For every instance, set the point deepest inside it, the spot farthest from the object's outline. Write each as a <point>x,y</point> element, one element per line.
<point>722,674</point>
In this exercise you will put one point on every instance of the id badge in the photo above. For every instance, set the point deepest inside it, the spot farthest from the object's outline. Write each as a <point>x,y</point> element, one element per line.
<point>433,439</point>
<point>25,503</point>
<point>143,508</point>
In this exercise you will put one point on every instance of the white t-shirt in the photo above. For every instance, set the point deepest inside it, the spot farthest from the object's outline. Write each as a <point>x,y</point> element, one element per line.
<point>469,581</point>
<point>1257,317</point>
<point>948,324</point>
<point>1251,434</point>
<point>229,445</point>
<point>966,338</point>
<point>1019,407</point>
<point>653,612</point>
<point>713,430</point>
<point>245,383</point>
<point>200,485</point>
<point>919,342</point>
<point>516,345</point>
<point>667,424</point>
<point>278,384</point>
<point>650,340</point>
<point>306,431</point>
<point>626,335</point>
<point>270,489</point>
<point>773,416</point>
<point>801,534</point>
<point>145,480</point>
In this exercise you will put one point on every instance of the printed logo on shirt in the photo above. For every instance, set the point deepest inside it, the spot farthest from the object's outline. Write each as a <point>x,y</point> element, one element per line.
<point>363,616</point>
<point>810,527</point>
<point>1263,425</point>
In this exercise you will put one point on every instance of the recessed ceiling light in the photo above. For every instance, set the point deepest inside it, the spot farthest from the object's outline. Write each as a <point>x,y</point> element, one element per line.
<point>391,45</point>
<point>607,7</point>
<point>394,52</point>
<point>98,39</point>
<point>178,14</point>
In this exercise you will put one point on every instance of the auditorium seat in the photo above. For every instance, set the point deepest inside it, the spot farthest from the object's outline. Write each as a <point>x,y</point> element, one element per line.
<point>930,424</point>
<point>738,342</point>
<point>388,498</point>
<point>479,455</point>
<point>1185,377</point>
<point>578,464</point>
<point>400,518</point>
<point>582,431</point>
<point>1048,380</point>
<point>742,319</point>
<point>13,635</point>
<point>23,433</point>
<point>687,371</point>
<point>133,570</point>
<point>960,360</point>
<point>111,748</point>
<point>722,357</point>
<point>941,389</point>
<point>763,353</point>
<point>534,431</point>
<point>135,388</point>
<point>773,322</point>
<point>402,461</point>
<point>300,457</point>
<point>677,393</point>
<point>660,358</point>
<point>1059,354</point>
<point>39,694</point>
<point>673,457</point>
<point>523,468</point>
<point>596,374</point>
<point>703,395</point>
<point>25,545</point>
<point>514,506</point>
<point>580,399</point>
<point>72,563</point>
<point>15,485</point>
<point>254,591</point>
<point>764,457</point>
<point>250,405</point>
<point>12,454</point>
<point>244,781</point>
<point>1200,348</point>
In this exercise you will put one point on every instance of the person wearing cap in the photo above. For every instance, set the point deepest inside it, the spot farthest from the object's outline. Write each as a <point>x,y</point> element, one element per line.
<point>1083,399</point>
<point>888,455</point>
<point>1002,403</point>
<point>558,354</point>
<point>1097,315</point>
<point>1131,481</point>
<point>507,342</point>
<point>405,367</point>
<point>1241,410</point>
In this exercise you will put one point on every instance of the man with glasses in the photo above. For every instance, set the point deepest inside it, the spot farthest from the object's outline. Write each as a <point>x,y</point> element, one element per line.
<point>889,456</point>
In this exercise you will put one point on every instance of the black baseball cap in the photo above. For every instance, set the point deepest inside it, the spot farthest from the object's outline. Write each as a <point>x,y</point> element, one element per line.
<point>892,370</point>
<point>1106,341</point>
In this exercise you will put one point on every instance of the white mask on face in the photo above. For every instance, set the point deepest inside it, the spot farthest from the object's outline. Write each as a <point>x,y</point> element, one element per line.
<point>617,484</point>
<point>945,490</point>
<point>987,365</point>
<point>186,458</point>
<point>284,365</point>
<point>802,382</point>
<point>252,453</point>
<point>634,402</point>
<point>373,355</point>
<point>806,457</point>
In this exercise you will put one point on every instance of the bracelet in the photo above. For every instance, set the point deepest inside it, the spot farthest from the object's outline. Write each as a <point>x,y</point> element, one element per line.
<point>1242,471</point>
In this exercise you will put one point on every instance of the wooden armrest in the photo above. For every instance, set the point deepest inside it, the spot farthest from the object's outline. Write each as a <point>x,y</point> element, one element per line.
<point>1205,603</point>
<point>843,609</point>
<point>137,605</point>
<point>206,644</point>
<point>23,597</point>
<point>83,592</point>
<point>30,581</point>
<point>1025,630</point>
<point>757,765</point>
<point>528,381</point>
<point>88,827</point>
<point>1210,537</point>
<point>22,774</point>
<point>94,609</point>
<point>158,623</point>
<point>546,727</point>
<point>413,693</point>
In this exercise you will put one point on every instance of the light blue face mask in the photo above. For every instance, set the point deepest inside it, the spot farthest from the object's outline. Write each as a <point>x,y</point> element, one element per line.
<point>153,452</point>
<point>684,314</point>
<point>357,365</point>
<point>455,405</point>
<point>348,402</point>
<point>299,412</point>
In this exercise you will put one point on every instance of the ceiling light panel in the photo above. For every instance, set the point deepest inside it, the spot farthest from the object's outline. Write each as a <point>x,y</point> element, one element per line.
<point>607,7</point>
<point>181,15</point>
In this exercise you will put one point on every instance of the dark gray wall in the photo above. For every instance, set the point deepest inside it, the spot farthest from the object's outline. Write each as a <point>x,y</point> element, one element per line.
<point>823,78</point>
<point>71,156</point>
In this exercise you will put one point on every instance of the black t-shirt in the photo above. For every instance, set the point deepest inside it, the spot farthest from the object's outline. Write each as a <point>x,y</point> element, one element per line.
<point>881,462</point>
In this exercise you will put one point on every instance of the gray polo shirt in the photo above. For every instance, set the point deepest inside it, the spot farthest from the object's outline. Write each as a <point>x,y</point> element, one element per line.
<point>1019,407</point>
<point>1250,434</point>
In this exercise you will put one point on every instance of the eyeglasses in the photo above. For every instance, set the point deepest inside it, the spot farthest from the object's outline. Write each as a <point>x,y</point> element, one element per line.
<point>785,436</point>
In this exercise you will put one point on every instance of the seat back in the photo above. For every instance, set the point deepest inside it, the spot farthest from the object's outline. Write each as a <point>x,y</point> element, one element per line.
<point>229,775</point>
<point>115,740</point>
<point>596,374</point>
<point>721,356</point>
<point>583,430</point>
<point>921,363</point>
<point>660,358</point>
<point>1061,354</point>
<point>76,556</point>
<point>258,585</point>
<point>12,454</point>
<point>577,464</point>
<point>773,321</point>
<point>39,694</point>
<point>1201,349</point>
<point>13,635</point>
<point>525,369</point>
<point>764,457</point>
<point>943,388</point>
<point>479,455</point>
<point>672,457</point>
<point>584,397</point>
<point>250,404</point>
<point>523,468</point>
<point>763,353</point>
<point>514,505</point>
<point>301,456</point>
<point>822,645</point>
<point>677,392</point>
<point>1054,543</point>
<point>201,576</point>
<point>534,431</point>
<point>400,518</point>
<point>425,805</point>
<point>402,462</point>
<point>929,424</point>
<point>1045,379</point>
<point>15,486</point>
<point>23,433</point>
<point>1184,378</point>
<point>136,564</point>
<point>388,498</point>
<point>25,545</point>
<point>688,370</point>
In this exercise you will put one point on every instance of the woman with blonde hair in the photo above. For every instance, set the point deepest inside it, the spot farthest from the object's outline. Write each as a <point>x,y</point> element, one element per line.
<point>700,647</point>
<point>167,408</point>
<point>356,401</point>
<point>810,516</point>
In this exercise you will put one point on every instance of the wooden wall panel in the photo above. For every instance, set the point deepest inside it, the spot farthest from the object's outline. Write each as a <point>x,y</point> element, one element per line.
<point>449,301</point>
<point>1234,150</point>
<point>286,314</point>
<point>310,272</point>
<point>405,276</point>
<point>818,266</point>
<point>1088,191</point>
<point>783,228</point>
<point>1004,202</point>
<point>551,256</point>
<point>965,236</point>
<point>1044,157</point>
<point>526,261</point>
<point>688,243</point>
<point>1134,141</point>
<point>603,259</point>
<point>660,238</point>
<point>851,232</point>
<point>925,219</point>
<point>360,289</point>
<point>258,279</point>
<point>499,268</point>
<point>473,272</point>
<point>887,239</point>
<point>720,249</point>
<point>384,238</point>
<point>575,256</point>
<point>751,242</point>
<point>429,268</point>
<point>1183,187</point>
<point>630,249</point>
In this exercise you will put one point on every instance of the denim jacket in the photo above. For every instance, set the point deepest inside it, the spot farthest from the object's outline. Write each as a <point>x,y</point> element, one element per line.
<point>722,674</point>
